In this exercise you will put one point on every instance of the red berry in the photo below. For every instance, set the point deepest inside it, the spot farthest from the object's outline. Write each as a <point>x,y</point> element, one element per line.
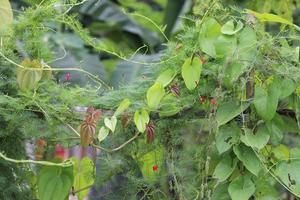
<point>68,77</point>
<point>59,151</point>
<point>155,168</point>
<point>202,99</point>
<point>213,102</point>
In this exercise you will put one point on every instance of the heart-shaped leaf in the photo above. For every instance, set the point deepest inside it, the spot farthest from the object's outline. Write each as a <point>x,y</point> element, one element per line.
<point>54,182</point>
<point>122,107</point>
<point>266,101</point>
<point>288,86</point>
<point>154,95</point>
<point>248,157</point>
<point>103,133</point>
<point>85,173</point>
<point>141,119</point>
<point>227,136</point>
<point>247,45</point>
<point>230,29</point>
<point>241,188</point>
<point>191,72</point>
<point>225,167</point>
<point>166,77</point>
<point>229,110</point>
<point>221,192</point>
<point>111,123</point>
<point>256,140</point>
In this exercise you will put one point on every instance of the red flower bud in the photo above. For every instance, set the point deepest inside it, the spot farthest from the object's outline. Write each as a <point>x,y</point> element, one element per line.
<point>68,77</point>
<point>213,102</point>
<point>202,99</point>
<point>175,90</point>
<point>150,131</point>
<point>59,152</point>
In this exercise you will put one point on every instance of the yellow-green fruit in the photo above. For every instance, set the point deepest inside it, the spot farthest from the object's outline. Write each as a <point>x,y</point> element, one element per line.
<point>27,77</point>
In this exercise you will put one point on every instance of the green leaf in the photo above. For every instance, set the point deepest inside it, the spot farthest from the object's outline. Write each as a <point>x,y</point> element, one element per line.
<point>267,17</point>
<point>230,29</point>
<point>85,173</point>
<point>241,188</point>
<point>6,14</point>
<point>154,95</point>
<point>166,77</point>
<point>148,161</point>
<point>221,192</point>
<point>54,182</point>
<point>289,174</point>
<point>230,110</point>
<point>122,107</point>
<point>141,118</point>
<point>225,46</point>
<point>209,32</point>
<point>111,123</point>
<point>191,72</point>
<point>266,101</point>
<point>248,157</point>
<point>103,133</point>
<point>256,140</point>
<point>287,87</point>
<point>232,72</point>
<point>225,167</point>
<point>227,136</point>
<point>247,48</point>
<point>169,106</point>
<point>281,152</point>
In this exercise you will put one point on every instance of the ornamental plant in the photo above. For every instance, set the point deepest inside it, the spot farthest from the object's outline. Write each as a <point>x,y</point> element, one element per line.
<point>216,118</point>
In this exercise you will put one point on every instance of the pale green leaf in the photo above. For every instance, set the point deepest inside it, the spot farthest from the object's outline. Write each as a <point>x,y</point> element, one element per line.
<point>166,77</point>
<point>229,28</point>
<point>103,133</point>
<point>256,140</point>
<point>191,72</point>
<point>111,123</point>
<point>6,14</point>
<point>225,167</point>
<point>227,136</point>
<point>154,95</point>
<point>122,107</point>
<point>241,188</point>
<point>141,119</point>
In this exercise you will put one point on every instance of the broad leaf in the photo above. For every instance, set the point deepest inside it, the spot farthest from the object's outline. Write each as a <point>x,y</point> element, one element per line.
<point>154,95</point>
<point>210,30</point>
<point>247,48</point>
<point>232,72</point>
<point>169,106</point>
<point>141,118</point>
<point>241,188</point>
<point>230,110</point>
<point>103,133</point>
<point>221,192</point>
<point>225,46</point>
<point>266,101</point>
<point>227,136</point>
<point>267,17</point>
<point>54,182</point>
<point>122,107</point>
<point>230,29</point>
<point>166,77</point>
<point>256,140</point>
<point>225,168</point>
<point>288,172</point>
<point>248,157</point>
<point>191,72</point>
<point>287,87</point>
<point>85,173</point>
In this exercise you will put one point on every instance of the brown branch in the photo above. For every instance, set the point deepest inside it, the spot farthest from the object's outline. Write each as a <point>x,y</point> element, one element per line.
<point>119,147</point>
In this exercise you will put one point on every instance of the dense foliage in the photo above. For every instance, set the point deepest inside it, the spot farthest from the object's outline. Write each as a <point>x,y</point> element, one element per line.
<point>216,116</point>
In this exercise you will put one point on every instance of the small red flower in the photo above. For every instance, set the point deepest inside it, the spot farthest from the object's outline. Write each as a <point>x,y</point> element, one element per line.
<point>68,77</point>
<point>155,168</point>
<point>213,102</point>
<point>202,99</point>
<point>59,151</point>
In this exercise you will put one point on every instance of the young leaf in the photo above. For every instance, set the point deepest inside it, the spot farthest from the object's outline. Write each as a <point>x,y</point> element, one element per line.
<point>230,110</point>
<point>256,140</point>
<point>85,173</point>
<point>229,29</point>
<point>154,95</point>
<point>191,72</point>
<point>248,157</point>
<point>225,167</point>
<point>241,188</point>
<point>122,107</point>
<point>103,133</point>
<point>111,123</point>
<point>226,137</point>
<point>267,17</point>
<point>166,77</point>
<point>141,118</point>
<point>54,182</point>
